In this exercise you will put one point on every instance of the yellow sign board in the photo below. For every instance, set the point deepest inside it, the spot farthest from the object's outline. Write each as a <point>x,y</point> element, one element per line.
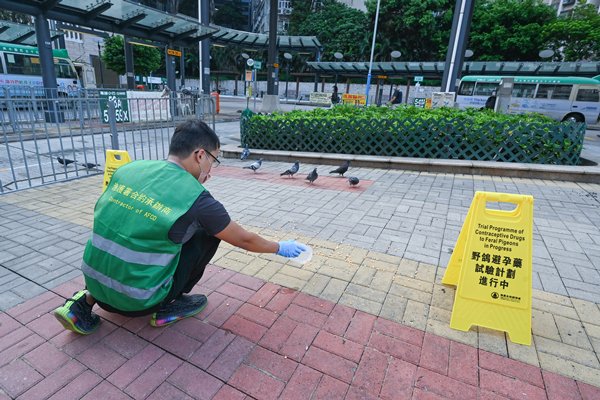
<point>492,266</point>
<point>356,99</point>
<point>173,52</point>
<point>114,159</point>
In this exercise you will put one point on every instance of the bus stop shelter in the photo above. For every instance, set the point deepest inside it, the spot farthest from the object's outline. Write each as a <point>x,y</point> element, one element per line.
<point>435,69</point>
<point>118,16</point>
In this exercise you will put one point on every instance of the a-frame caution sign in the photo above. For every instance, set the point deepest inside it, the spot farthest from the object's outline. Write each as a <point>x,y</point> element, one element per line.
<point>491,265</point>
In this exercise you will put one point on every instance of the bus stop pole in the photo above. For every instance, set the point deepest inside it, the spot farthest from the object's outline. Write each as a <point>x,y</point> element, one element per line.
<point>112,123</point>
<point>129,69</point>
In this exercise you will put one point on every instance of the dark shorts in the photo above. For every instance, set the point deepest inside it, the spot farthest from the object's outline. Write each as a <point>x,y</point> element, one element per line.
<point>195,255</point>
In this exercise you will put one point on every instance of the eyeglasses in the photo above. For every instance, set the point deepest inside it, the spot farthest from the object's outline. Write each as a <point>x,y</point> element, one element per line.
<point>215,160</point>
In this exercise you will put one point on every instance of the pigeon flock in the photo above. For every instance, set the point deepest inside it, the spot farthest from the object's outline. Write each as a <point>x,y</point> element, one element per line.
<point>67,161</point>
<point>353,181</point>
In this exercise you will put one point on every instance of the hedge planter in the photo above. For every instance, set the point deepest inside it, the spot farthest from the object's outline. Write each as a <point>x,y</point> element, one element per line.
<point>414,132</point>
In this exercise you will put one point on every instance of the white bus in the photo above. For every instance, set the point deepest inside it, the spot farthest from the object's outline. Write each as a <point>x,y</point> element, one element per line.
<point>568,98</point>
<point>21,71</point>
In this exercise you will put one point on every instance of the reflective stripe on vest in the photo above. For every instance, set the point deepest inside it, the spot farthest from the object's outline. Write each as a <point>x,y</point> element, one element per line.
<point>128,255</point>
<point>129,291</point>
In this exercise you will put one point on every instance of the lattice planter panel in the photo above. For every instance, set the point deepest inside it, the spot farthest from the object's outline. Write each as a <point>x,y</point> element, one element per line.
<point>443,138</point>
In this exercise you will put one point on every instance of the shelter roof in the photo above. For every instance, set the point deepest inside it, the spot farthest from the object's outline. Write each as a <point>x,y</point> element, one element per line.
<point>261,40</point>
<point>12,32</point>
<point>435,69</point>
<point>119,16</point>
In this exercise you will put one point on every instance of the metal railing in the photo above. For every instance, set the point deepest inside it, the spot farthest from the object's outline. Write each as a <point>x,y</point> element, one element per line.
<point>43,141</point>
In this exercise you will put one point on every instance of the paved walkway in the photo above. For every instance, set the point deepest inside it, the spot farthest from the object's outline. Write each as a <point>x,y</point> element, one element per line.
<point>256,340</point>
<point>366,317</point>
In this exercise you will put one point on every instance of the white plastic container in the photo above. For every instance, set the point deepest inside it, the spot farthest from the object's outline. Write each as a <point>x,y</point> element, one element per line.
<point>304,257</point>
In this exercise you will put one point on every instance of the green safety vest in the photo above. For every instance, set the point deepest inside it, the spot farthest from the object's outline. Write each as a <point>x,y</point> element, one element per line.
<point>129,261</point>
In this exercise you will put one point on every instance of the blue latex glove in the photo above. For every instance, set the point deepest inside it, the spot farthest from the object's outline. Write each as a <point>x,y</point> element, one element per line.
<point>290,248</point>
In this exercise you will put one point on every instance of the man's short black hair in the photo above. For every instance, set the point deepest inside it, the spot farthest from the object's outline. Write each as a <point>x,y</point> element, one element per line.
<point>191,135</point>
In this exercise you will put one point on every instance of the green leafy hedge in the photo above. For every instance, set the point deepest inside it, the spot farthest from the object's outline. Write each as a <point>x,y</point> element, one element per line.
<point>416,132</point>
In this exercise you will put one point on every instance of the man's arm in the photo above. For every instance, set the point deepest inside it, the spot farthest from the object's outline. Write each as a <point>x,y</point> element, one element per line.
<point>237,236</point>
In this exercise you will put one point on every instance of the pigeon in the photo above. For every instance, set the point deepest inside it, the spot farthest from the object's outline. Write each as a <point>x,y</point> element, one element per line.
<point>353,180</point>
<point>341,169</point>
<point>65,161</point>
<point>312,176</point>
<point>292,170</point>
<point>89,165</point>
<point>255,165</point>
<point>245,153</point>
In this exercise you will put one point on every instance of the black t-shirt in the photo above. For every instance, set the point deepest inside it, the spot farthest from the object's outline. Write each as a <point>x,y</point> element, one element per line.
<point>205,214</point>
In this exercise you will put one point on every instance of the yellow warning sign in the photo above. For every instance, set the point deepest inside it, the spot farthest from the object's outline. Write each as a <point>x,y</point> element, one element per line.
<point>492,266</point>
<point>173,52</point>
<point>114,159</point>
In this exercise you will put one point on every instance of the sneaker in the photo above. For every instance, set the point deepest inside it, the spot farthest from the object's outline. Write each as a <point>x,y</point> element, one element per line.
<point>183,307</point>
<point>76,315</point>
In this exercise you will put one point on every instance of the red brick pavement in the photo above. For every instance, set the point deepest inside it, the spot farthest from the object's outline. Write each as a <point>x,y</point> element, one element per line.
<point>255,340</point>
<point>324,181</point>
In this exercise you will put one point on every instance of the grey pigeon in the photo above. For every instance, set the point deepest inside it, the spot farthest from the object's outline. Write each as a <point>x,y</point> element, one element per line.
<point>255,165</point>
<point>312,176</point>
<point>341,169</point>
<point>245,153</point>
<point>65,161</point>
<point>353,181</point>
<point>90,165</point>
<point>292,170</point>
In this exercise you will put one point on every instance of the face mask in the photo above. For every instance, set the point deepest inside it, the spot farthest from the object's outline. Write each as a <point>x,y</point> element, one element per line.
<point>203,177</point>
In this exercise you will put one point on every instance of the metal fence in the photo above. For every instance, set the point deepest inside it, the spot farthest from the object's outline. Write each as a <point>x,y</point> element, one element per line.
<point>49,140</point>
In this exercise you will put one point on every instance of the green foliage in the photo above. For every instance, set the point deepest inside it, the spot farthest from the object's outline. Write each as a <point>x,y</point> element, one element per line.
<point>229,15</point>
<point>19,18</point>
<point>337,26</point>
<point>145,59</point>
<point>576,37</point>
<point>420,29</point>
<point>509,30</point>
<point>416,132</point>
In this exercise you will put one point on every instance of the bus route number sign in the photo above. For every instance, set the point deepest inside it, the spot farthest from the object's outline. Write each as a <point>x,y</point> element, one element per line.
<point>121,105</point>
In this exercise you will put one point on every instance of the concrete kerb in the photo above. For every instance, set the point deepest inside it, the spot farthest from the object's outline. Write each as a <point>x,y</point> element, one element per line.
<point>467,167</point>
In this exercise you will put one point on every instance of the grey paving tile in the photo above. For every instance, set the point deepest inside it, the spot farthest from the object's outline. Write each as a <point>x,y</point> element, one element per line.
<point>8,300</point>
<point>552,283</point>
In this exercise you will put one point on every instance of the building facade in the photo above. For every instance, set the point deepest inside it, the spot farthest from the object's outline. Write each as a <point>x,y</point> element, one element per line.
<point>565,7</point>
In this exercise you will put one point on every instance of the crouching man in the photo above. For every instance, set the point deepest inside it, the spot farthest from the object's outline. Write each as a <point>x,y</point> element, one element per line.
<point>156,227</point>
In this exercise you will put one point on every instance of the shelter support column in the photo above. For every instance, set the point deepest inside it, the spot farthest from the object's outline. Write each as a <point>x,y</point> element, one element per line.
<point>42,31</point>
<point>461,23</point>
<point>271,100</point>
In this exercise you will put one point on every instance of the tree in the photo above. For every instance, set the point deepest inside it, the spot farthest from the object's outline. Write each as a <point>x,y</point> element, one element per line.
<point>419,29</point>
<point>577,37</point>
<point>16,17</point>
<point>338,27</point>
<point>145,59</point>
<point>509,30</point>
<point>301,9</point>
<point>229,15</point>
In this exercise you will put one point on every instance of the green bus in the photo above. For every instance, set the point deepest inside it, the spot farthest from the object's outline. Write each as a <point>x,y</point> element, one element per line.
<point>21,71</point>
<point>560,98</point>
